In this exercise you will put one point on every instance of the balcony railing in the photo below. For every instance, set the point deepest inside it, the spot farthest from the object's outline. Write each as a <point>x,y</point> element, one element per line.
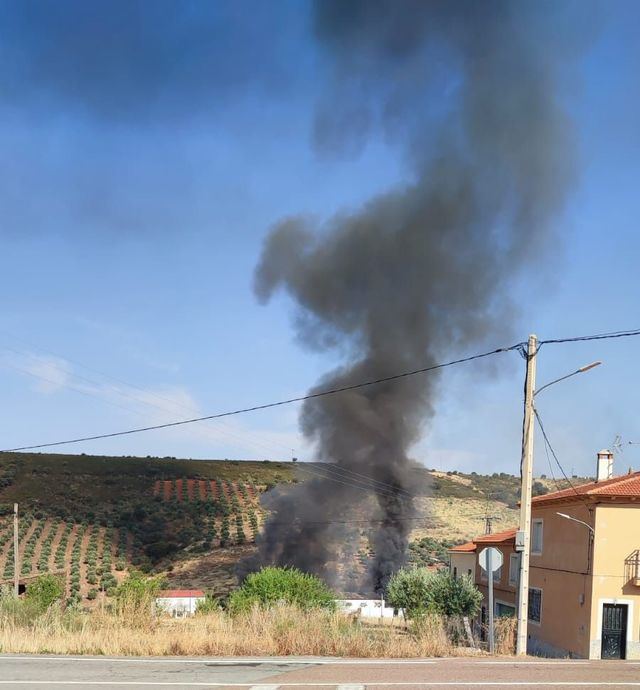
<point>632,568</point>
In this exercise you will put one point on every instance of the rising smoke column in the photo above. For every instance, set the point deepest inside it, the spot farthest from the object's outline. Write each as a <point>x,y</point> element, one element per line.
<point>470,89</point>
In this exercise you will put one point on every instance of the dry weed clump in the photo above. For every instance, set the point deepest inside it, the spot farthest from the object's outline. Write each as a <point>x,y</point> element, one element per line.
<point>505,628</point>
<point>281,630</point>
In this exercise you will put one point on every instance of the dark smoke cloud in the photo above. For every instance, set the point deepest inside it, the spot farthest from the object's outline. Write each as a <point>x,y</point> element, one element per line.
<point>472,90</point>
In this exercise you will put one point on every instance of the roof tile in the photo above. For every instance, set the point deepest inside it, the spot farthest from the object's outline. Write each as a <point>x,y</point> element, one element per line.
<point>628,485</point>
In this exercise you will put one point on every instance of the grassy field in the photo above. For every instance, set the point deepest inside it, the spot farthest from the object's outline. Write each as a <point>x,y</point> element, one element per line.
<point>283,630</point>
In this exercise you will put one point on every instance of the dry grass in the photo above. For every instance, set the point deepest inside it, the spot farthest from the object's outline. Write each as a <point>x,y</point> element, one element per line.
<point>283,630</point>
<point>505,635</point>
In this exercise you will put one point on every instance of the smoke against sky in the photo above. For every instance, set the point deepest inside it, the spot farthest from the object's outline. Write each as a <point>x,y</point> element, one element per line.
<point>425,267</point>
<point>137,188</point>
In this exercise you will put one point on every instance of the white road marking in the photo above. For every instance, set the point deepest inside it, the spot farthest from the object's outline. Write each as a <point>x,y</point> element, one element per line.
<point>223,662</point>
<point>264,687</point>
<point>350,687</point>
<point>432,684</point>
<point>550,662</point>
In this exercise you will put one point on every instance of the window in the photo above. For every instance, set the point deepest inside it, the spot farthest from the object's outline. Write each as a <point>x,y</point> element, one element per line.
<point>455,573</point>
<point>469,572</point>
<point>514,569</point>
<point>535,604</point>
<point>536,537</point>
<point>503,610</point>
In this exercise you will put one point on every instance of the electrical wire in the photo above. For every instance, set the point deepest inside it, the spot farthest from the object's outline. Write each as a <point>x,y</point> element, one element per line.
<point>144,401</point>
<point>337,469</point>
<point>344,522</point>
<point>597,336</point>
<point>555,457</point>
<point>363,487</point>
<point>553,476</point>
<point>350,474</point>
<point>279,403</point>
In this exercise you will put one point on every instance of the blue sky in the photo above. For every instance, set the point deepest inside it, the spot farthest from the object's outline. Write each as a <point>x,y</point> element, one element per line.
<point>146,160</point>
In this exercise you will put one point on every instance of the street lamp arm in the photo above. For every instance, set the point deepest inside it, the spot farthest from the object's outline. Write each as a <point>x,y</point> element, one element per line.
<point>568,376</point>
<point>569,517</point>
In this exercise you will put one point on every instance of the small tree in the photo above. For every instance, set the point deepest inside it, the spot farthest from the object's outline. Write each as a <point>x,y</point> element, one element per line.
<point>273,585</point>
<point>240,535</point>
<point>224,531</point>
<point>408,589</point>
<point>136,595</point>
<point>420,591</point>
<point>44,591</point>
<point>253,521</point>
<point>454,596</point>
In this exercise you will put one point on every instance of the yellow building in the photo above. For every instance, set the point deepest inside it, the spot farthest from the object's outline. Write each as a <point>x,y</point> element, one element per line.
<point>584,578</point>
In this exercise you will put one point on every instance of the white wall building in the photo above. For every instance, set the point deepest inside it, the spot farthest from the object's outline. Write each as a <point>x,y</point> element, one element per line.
<point>368,608</point>
<point>179,602</point>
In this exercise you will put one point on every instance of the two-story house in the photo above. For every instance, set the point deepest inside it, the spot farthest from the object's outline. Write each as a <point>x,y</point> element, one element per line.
<point>584,575</point>
<point>464,561</point>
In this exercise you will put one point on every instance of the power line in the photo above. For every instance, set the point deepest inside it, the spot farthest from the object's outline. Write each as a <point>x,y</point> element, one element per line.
<point>219,427</point>
<point>376,485</point>
<point>356,476</point>
<point>279,403</point>
<point>553,476</point>
<point>302,523</point>
<point>597,336</point>
<point>555,457</point>
<point>362,486</point>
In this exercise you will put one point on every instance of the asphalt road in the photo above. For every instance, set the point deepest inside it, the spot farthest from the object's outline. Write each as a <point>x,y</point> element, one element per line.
<point>41,672</point>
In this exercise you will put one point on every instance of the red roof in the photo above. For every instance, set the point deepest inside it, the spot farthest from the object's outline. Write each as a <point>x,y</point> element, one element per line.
<point>180,593</point>
<point>497,537</point>
<point>626,486</point>
<point>467,547</point>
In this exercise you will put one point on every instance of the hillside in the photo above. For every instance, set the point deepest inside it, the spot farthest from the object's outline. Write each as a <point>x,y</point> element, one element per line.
<point>93,518</point>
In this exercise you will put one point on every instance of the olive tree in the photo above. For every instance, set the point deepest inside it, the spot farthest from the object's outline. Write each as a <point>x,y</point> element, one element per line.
<point>418,591</point>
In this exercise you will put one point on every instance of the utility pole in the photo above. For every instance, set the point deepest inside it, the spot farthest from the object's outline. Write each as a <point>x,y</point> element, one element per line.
<point>16,558</point>
<point>523,540</point>
<point>488,523</point>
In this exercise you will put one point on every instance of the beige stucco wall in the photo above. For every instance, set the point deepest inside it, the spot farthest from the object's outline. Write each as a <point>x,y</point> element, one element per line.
<point>617,535</point>
<point>561,572</point>
<point>463,561</point>
<point>503,592</point>
<point>573,589</point>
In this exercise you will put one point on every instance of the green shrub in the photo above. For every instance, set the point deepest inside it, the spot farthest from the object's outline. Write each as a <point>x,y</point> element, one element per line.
<point>44,591</point>
<point>137,592</point>
<point>92,594</point>
<point>419,591</point>
<point>207,605</point>
<point>273,585</point>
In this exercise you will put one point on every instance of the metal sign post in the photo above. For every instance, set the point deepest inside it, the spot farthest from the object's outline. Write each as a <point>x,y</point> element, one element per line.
<point>490,560</point>
<point>492,642</point>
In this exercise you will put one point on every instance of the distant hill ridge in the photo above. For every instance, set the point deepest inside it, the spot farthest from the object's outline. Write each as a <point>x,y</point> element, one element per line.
<point>99,516</point>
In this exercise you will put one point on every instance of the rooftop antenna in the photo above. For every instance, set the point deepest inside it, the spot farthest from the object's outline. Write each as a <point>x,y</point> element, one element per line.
<point>617,444</point>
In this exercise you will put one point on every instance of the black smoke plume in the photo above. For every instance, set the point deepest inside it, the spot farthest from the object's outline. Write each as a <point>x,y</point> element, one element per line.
<point>471,90</point>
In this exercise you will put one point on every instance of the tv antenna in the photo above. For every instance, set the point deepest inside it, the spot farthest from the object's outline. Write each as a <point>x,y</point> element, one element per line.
<point>617,444</point>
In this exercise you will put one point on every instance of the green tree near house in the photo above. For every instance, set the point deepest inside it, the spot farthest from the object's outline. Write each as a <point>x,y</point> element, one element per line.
<point>419,591</point>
